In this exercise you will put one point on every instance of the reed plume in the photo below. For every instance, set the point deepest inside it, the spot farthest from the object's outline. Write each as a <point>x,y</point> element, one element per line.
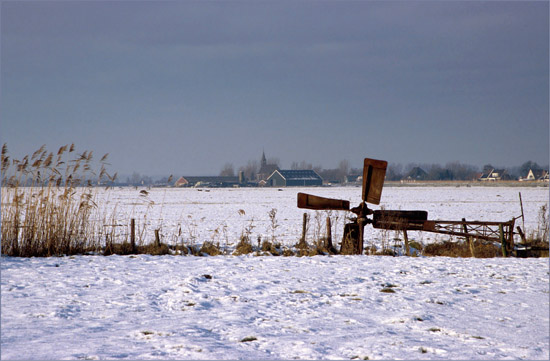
<point>48,207</point>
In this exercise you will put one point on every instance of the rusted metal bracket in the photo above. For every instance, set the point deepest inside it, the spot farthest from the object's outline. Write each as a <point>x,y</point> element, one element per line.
<point>500,232</point>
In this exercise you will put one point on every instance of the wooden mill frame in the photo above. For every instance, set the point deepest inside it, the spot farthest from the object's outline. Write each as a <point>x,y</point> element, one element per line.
<point>374,172</point>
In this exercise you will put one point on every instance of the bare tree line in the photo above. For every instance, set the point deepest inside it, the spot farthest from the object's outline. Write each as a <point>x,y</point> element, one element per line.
<point>395,172</point>
<point>450,171</point>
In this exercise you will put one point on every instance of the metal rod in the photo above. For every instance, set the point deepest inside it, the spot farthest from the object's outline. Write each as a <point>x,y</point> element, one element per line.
<point>522,215</point>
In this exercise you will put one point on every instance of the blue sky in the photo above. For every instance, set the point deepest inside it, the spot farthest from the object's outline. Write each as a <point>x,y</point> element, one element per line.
<point>184,87</point>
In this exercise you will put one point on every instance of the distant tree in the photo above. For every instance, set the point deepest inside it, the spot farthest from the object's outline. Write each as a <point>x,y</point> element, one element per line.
<point>343,169</point>
<point>146,180</point>
<point>302,165</point>
<point>135,179</point>
<point>317,168</point>
<point>275,161</point>
<point>250,170</point>
<point>344,166</point>
<point>437,172</point>
<point>525,167</point>
<point>424,166</point>
<point>227,170</point>
<point>461,171</point>
<point>394,172</point>
<point>330,175</point>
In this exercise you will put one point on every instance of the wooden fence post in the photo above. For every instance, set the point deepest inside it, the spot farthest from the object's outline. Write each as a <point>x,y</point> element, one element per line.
<point>157,238</point>
<point>406,238</point>
<point>304,226</point>
<point>133,234</point>
<point>328,244</point>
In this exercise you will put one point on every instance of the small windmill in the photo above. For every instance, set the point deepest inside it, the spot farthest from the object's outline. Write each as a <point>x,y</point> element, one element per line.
<point>374,172</point>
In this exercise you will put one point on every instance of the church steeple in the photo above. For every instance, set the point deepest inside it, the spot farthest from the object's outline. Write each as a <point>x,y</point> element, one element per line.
<point>264,161</point>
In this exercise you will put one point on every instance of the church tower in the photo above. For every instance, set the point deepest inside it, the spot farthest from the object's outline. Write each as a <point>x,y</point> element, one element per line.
<point>265,169</point>
<point>264,161</point>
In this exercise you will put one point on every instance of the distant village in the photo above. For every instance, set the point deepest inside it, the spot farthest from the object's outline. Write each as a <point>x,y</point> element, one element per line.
<point>269,174</point>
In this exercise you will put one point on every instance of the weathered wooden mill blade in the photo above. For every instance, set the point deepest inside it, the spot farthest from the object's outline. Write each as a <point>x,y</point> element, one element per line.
<point>314,202</point>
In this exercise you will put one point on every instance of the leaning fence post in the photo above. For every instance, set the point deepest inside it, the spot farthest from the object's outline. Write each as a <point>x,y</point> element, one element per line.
<point>133,234</point>
<point>521,234</point>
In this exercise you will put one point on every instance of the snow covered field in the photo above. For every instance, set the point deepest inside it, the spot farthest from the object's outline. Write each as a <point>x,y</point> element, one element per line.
<point>222,214</point>
<point>247,307</point>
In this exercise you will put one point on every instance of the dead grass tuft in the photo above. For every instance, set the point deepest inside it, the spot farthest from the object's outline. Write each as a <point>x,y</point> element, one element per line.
<point>287,252</point>
<point>154,250</point>
<point>302,248</point>
<point>210,249</point>
<point>243,247</point>
<point>124,248</point>
<point>461,249</point>
<point>273,249</point>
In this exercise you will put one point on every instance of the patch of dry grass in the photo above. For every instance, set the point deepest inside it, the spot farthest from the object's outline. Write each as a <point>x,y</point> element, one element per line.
<point>461,249</point>
<point>271,248</point>
<point>243,247</point>
<point>210,249</point>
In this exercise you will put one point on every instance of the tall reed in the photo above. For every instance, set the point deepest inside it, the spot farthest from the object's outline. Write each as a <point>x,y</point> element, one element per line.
<point>48,202</point>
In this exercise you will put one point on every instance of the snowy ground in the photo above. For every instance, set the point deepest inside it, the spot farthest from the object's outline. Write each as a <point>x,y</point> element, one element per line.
<point>221,215</point>
<point>322,307</point>
<point>175,307</point>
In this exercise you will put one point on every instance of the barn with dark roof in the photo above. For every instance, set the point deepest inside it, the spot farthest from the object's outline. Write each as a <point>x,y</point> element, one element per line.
<point>294,178</point>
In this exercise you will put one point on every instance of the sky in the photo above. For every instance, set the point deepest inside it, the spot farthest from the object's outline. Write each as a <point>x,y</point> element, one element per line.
<point>185,87</point>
